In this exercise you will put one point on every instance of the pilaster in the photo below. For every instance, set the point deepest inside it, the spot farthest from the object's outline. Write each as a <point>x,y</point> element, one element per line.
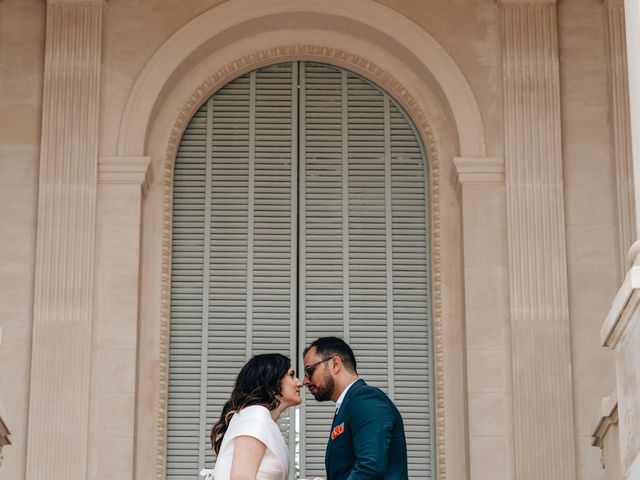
<point>620,126</point>
<point>65,243</point>
<point>122,182</point>
<point>488,363</point>
<point>544,444</point>
<point>632,17</point>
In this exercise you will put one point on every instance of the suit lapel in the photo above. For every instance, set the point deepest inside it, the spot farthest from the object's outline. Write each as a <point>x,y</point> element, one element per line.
<point>338,418</point>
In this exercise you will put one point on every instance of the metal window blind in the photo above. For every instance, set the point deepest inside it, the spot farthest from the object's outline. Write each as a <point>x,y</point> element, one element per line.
<point>298,177</point>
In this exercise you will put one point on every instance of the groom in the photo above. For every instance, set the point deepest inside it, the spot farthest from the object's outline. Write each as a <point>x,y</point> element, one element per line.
<point>367,435</point>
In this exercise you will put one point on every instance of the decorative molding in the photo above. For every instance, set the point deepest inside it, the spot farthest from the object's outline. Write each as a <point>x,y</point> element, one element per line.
<point>65,244</point>
<point>609,418</point>
<point>241,15</point>
<point>479,169</point>
<point>538,294</point>
<point>613,3</point>
<point>623,309</point>
<point>620,129</point>
<point>207,88</point>
<point>125,170</point>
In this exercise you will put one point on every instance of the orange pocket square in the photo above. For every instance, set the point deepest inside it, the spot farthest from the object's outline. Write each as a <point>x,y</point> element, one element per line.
<point>337,431</point>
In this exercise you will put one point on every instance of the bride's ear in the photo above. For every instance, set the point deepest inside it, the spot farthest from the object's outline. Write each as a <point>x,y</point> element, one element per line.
<point>275,401</point>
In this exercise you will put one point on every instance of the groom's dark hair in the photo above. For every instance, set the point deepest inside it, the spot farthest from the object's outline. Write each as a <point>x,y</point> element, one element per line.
<point>333,346</point>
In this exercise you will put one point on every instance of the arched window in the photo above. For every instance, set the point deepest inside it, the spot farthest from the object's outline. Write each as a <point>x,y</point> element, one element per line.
<point>300,209</point>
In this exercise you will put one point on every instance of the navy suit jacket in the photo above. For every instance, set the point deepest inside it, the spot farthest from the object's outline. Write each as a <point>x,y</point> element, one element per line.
<point>367,438</point>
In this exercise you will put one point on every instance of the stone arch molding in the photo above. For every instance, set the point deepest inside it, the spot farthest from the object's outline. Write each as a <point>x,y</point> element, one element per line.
<point>200,94</point>
<point>363,19</point>
<point>240,35</point>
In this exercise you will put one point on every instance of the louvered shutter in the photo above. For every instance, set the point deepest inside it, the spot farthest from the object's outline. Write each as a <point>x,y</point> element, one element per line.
<point>359,237</point>
<point>233,287</point>
<point>364,251</point>
<point>321,239</point>
<point>187,276</point>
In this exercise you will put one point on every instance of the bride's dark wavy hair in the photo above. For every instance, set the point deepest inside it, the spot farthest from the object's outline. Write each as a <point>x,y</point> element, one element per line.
<point>258,383</point>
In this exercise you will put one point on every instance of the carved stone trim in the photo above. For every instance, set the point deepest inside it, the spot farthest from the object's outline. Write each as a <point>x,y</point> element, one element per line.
<point>125,170</point>
<point>480,169</point>
<point>394,87</point>
<point>239,16</point>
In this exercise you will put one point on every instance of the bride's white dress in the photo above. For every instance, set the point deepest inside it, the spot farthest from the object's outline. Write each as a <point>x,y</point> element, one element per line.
<point>254,421</point>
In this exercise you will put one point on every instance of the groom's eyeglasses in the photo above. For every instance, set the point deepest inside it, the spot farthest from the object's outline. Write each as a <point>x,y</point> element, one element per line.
<point>309,369</point>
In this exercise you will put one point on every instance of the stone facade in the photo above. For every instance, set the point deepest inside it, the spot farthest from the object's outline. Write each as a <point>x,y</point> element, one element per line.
<point>524,110</point>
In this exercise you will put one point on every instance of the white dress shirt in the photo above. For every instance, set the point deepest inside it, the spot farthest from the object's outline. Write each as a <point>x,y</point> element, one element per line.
<point>343,394</point>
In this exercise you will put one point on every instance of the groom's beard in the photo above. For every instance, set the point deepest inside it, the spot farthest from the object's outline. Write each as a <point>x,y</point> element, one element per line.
<point>323,393</point>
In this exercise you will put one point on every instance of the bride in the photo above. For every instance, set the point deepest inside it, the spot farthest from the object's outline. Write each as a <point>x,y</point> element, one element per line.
<point>246,439</point>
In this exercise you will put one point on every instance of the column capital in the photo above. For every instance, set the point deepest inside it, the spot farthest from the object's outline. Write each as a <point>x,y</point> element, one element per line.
<point>613,3</point>
<point>125,170</point>
<point>479,169</point>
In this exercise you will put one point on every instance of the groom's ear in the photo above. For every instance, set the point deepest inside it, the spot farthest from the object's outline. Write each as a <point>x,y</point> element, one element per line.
<point>336,363</point>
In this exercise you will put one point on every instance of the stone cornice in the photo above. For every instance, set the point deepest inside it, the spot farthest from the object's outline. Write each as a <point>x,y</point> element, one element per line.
<point>623,308</point>
<point>479,169</point>
<point>125,170</point>
<point>609,417</point>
